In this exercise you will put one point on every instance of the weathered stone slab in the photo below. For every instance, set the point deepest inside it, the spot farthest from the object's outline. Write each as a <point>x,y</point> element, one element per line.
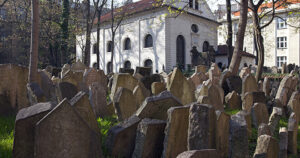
<point>264,129</point>
<point>176,132</point>
<point>232,83</point>
<point>25,126</point>
<point>249,84</point>
<point>156,107</point>
<point>98,100</point>
<point>207,153</point>
<point>214,73</point>
<point>126,70</point>
<point>93,75</point>
<point>202,124</point>
<point>35,93</point>
<point>238,142</point>
<point>275,118</point>
<point>66,90</point>
<point>78,67</point>
<point>75,78</point>
<point>247,117</point>
<point>122,80</point>
<point>140,93</point>
<point>292,134</point>
<point>283,142</point>
<point>124,103</point>
<point>267,86</point>
<point>294,104</point>
<point>198,78</point>
<point>266,147</point>
<point>180,87</point>
<point>148,80</point>
<point>63,133</point>
<point>244,72</point>
<point>201,69</point>
<point>259,113</point>
<point>233,100</point>
<point>145,71</point>
<point>216,97</point>
<point>64,70</point>
<point>120,140</point>
<point>222,133</point>
<point>149,138</point>
<point>252,97</point>
<point>158,87</point>
<point>283,90</point>
<point>47,86</point>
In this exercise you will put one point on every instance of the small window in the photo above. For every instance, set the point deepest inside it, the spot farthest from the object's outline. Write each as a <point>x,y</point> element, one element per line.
<point>205,46</point>
<point>95,49</point>
<point>195,28</point>
<point>281,60</point>
<point>148,63</point>
<point>148,41</point>
<point>127,65</point>
<point>191,3</point>
<point>95,65</point>
<point>281,42</point>
<point>196,5</point>
<point>281,23</point>
<point>109,46</point>
<point>127,44</point>
<point>108,68</point>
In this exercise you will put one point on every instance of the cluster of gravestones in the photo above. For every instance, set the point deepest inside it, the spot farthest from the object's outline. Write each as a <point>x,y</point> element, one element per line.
<point>161,115</point>
<point>284,69</point>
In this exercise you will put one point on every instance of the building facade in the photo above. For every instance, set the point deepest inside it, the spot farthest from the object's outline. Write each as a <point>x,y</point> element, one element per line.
<point>152,36</point>
<point>281,37</point>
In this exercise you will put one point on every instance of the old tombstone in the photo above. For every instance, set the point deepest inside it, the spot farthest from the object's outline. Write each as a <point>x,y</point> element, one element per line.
<point>233,100</point>
<point>292,134</point>
<point>63,133</point>
<point>259,113</point>
<point>149,138</point>
<point>197,79</point>
<point>233,83</point>
<point>176,132</point>
<point>35,93</point>
<point>202,124</point>
<point>124,103</point>
<point>249,85</point>
<point>274,70</point>
<point>267,86</point>
<point>238,143</point>
<point>120,139</point>
<point>93,75</point>
<point>75,78</point>
<point>64,70</point>
<point>275,118</point>
<point>294,104</point>
<point>140,93</point>
<point>224,75</point>
<point>206,153</point>
<point>47,86</point>
<point>122,80</point>
<point>156,107</point>
<point>216,97</point>
<point>78,67</point>
<point>222,133</point>
<point>24,128</point>
<point>244,72</point>
<point>138,76</point>
<point>264,129</point>
<point>144,71</point>
<point>66,90</point>
<point>214,73</point>
<point>180,87</point>
<point>158,87</point>
<point>247,117</point>
<point>284,68</point>
<point>283,91</point>
<point>98,100</point>
<point>126,70</point>
<point>148,80</point>
<point>201,69</point>
<point>283,142</point>
<point>252,97</point>
<point>266,147</point>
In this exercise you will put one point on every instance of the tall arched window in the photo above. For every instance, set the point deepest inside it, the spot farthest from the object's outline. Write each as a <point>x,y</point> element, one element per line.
<point>148,63</point>
<point>205,46</point>
<point>191,3</point>
<point>180,52</point>
<point>148,41</point>
<point>108,67</point>
<point>95,49</point>
<point>127,65</point>
<point>109,46</point>
<point>127,44</point>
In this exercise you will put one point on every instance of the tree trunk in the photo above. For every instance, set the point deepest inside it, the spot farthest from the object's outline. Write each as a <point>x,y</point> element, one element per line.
<point>34,45</point>
<point>112,36</point>
<point>239,43</point>
<point>65,32</point>
<point>98,39</point>
<point>229,27</point>
<point>87,51</point>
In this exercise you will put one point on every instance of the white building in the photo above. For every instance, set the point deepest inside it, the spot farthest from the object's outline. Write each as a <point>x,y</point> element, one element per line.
<point>151,36</point>
<point>281,41</point>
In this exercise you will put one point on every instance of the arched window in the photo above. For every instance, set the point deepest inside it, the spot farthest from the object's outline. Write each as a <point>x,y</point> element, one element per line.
<point>108,67</point>
<point>148,41</point>
<point>127,44</point>
<point>109,46</point>
<point>205,46</point>
<point>95,49</point>
<point>191,3</point>
<point>95,65</point>
<point>148,63</point>
<point>180,52</point>
<point>127,65</point>
<point>196,5</point>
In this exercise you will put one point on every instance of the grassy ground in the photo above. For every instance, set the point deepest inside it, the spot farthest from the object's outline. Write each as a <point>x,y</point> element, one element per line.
<point>6,136</point>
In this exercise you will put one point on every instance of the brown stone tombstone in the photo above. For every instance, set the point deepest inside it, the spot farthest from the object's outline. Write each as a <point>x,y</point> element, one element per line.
<point>222,133</point>
<point>124,103</point>
<point>267,147</point>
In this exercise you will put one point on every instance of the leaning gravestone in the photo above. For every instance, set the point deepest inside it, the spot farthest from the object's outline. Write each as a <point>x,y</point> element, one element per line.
<point>144,71</point>
<point>266,147</point>
<point>252,97</point>
<point>93,75</point>
<point>249,85</point>
<point>214,74</point>
<point>292,134</point>
<point>75,78</point>
<point>124,103</point>
<point>244,72</point>
<point>283,142</point>
<point>66,90</point>
<point>180,87</point>
<point>98,100</point>
<point>232,83</point>
<point>247,116</point>
<point>78,67</point>
<point>206,153</point>
<point>283,91</point>
<point>121,138</point>
<point>149,138</point>
<point>140,93</point>
<point>233,100</point>
<point>64,70</point>
<point>197,79</point>
<point>216,97</point>
<point>294,104</point>
<point>24,129</point>
<point>148,80</point>
<point>222,133</point>
<point>158,87</point>
<point>202,124</point>
<point>238,141</point>
<point>259,113</point>
<point>201,69</point>
<point>63,133</point>
<point>264,129</point>
<point>267,86</point>
<point>275,118</point>
<point>122,80</point>
<point>156,107</point>
<point>176,133</point>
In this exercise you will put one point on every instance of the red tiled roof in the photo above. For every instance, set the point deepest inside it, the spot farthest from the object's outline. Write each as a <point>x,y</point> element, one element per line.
<point>223,50</point>
<point>270,5</point>
<point>132,8</point>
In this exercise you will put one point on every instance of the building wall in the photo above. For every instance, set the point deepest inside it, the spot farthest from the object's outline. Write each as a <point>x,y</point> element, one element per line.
<point>224,60</point>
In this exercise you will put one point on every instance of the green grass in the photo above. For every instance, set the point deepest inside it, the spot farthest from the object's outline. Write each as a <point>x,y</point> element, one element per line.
<point>6,136</point>
<point>231,111</point>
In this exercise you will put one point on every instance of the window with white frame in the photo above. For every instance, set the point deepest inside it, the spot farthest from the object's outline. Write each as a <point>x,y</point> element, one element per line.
<point>281,60</point>
<point>281,23</point>
<point>281,42</point>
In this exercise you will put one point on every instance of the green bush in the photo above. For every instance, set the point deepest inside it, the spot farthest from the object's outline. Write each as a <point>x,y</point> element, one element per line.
<point>6,135</point>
